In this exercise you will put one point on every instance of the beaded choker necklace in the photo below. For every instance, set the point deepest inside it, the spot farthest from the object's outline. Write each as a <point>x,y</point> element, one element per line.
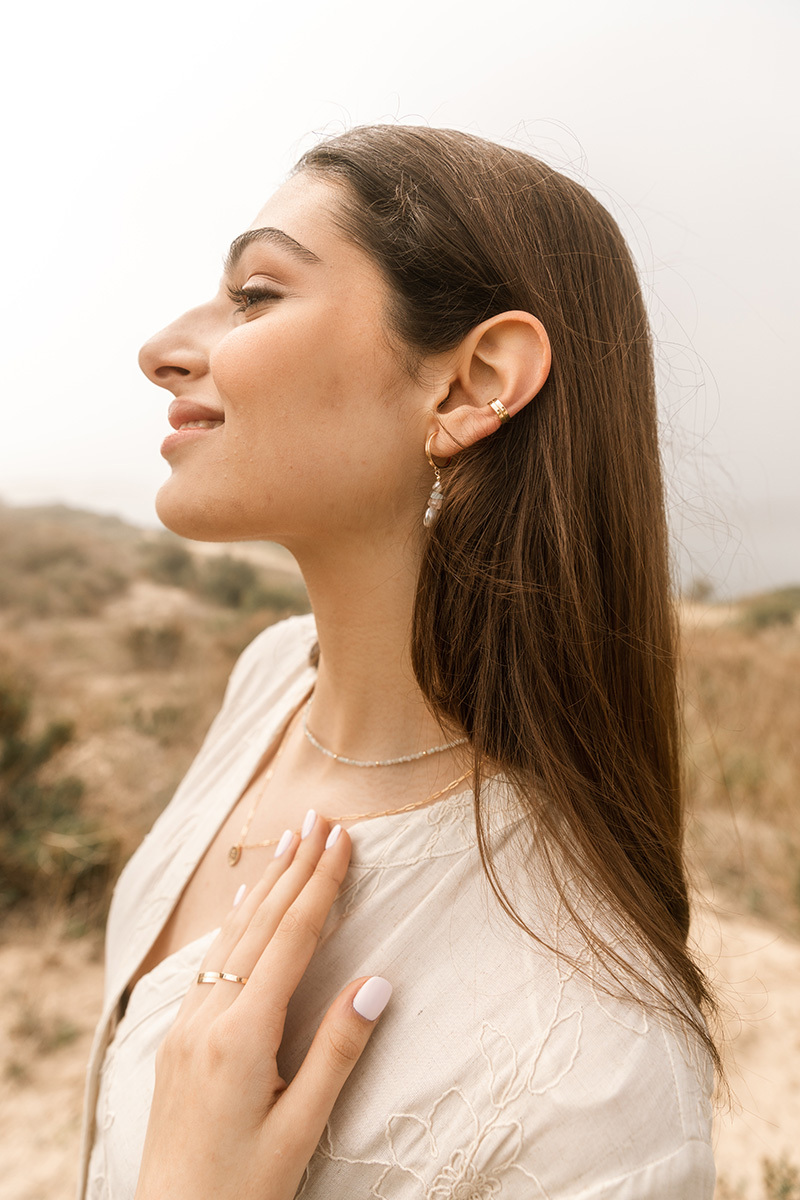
<point>378,762</point>
<point>236,851</point>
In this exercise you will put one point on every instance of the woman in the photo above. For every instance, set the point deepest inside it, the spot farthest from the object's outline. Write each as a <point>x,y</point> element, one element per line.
<point>428,373</point>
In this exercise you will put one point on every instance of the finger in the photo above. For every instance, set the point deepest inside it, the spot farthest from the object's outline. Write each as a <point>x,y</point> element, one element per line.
<point>237,921</point>
<point>300,1114</point>
<point>282,964</point>
<point>266,919</point>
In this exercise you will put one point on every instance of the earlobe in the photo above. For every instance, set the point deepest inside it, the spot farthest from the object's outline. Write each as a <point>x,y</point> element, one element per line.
<point>500,367</point>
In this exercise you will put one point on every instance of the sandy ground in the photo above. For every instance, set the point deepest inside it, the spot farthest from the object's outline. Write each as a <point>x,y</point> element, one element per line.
<point>758,982</point>
<point>50,990</point>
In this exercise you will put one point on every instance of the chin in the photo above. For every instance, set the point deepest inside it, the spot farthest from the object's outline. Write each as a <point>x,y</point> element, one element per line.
<point>194,517</point>
<point>204,516</point>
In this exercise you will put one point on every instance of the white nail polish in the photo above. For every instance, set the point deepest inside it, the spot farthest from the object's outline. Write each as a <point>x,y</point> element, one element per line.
<point>237,899</point>
<point>308,823</point>
<point>333,836</point>
<point>372,997</point>
<point>284,843</point>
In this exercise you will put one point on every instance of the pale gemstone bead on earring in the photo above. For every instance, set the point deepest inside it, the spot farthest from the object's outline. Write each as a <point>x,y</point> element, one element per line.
<point>434,504</point>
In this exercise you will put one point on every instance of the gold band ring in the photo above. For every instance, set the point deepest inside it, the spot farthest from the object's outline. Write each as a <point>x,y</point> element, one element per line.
<point>501,411</point>
<point>216,976</point>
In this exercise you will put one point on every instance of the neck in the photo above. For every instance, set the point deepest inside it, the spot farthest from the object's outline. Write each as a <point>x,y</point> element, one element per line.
<point>367,703</point>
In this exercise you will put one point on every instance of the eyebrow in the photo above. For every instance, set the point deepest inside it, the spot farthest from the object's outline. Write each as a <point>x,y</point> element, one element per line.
<point>273,237</point>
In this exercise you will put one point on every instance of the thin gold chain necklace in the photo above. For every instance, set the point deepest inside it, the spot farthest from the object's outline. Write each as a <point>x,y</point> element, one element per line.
<point>236,851</point>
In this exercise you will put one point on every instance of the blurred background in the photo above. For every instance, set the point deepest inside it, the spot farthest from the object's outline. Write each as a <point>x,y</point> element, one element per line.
<point>137,143</point>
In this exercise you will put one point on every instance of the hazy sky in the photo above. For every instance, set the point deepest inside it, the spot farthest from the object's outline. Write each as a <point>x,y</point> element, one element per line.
<point>140,141</point>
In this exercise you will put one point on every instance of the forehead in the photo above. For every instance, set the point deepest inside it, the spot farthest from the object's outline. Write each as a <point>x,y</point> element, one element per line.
<point>305,208</point>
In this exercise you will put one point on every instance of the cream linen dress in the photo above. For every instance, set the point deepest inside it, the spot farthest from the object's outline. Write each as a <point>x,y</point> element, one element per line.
<point>496,1073</point>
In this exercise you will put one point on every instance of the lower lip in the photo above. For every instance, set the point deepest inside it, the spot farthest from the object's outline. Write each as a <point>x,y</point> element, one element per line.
<point>182,436</point>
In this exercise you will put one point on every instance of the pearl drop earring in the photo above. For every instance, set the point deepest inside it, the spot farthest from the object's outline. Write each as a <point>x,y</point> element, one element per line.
<point>436,498</point>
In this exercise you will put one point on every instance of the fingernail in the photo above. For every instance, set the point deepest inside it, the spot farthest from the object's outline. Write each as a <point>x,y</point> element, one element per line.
<point>372,997</point>
<point>308,823</point>
<point>333,836</point>
<point>284,843</point>
<point>237,899</point>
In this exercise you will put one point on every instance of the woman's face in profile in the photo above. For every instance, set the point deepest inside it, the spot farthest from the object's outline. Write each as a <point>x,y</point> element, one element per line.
<point>308,422</point>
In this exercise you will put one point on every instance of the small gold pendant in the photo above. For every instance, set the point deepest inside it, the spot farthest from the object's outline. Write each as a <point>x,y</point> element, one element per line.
<point>234,854</point>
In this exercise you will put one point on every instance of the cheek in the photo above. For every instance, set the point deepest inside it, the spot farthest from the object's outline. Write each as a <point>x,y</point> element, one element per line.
<point>247,365</point>
<point>309,368</point>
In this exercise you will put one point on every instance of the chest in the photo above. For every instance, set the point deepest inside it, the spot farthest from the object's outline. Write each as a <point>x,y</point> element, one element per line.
<point>210,891</point>
<point>244,844</point>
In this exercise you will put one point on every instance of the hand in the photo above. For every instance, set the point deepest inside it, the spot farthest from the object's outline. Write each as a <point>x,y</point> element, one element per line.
<point>223,1123</point>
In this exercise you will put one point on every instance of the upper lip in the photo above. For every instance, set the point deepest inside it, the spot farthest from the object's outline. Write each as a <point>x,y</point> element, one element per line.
<point>180,411</point>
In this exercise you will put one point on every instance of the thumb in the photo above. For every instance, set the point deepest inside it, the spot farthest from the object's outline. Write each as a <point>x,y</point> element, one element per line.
<point>337,1046</point>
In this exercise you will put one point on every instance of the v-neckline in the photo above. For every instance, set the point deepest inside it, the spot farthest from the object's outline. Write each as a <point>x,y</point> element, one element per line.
<point>278,732</point>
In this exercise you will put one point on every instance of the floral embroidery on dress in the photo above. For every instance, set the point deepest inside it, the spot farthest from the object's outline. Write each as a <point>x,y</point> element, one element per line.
<point>456,1154</point>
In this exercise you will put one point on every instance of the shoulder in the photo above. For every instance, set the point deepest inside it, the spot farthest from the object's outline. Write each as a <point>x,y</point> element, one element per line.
<point>503,1073</point>
<point>558,1090</point>
<point>614,1098</point>
<point>629,1083</point>
<point>632,1089</point>
<point>520,1075</point>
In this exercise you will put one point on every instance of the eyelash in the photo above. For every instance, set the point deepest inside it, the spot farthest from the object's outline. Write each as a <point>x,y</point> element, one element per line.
<point>245,300</point>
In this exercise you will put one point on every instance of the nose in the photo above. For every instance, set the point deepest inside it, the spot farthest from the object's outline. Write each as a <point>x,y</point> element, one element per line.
<point>178,352</point>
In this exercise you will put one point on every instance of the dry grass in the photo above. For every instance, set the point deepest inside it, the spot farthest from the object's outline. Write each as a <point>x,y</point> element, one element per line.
<point>138,693</point>
<point>743,765</point>
<point>780,1180</point>
<point>57,566</point>
<point>130,639</point>
<point>138,673</point>
<point>742,714</point>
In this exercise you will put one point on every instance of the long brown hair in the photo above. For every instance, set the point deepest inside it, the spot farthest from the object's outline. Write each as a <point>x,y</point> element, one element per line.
<point>543,624</point>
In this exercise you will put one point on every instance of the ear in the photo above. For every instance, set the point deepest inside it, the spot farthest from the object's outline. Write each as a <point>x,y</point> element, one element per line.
<point>506,358</point>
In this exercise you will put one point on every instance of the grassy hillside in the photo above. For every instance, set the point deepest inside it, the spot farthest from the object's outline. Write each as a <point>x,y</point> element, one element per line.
<point>121,642</point>
<point>115,647</point>
<point>742,714</point>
